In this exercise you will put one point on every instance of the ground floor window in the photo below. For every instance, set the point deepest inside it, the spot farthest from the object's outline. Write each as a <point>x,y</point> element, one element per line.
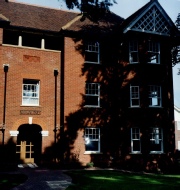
<point>92,140</point>
<point>135,140</point>
<point>156,140</point>
<point>155,137</point>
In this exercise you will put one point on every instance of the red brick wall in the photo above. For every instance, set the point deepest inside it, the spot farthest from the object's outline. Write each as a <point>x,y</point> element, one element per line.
<point>74,88</point>
<point>32,64</point>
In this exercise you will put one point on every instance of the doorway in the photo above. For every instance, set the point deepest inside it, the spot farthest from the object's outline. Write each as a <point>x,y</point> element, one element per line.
<point>29,143</point>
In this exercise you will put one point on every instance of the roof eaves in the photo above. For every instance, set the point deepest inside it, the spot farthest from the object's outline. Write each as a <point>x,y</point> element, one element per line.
<point>66,26</point>
<point>2,17</point>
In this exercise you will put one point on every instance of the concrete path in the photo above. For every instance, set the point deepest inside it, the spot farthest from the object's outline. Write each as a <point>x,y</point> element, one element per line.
<point>43,179</point>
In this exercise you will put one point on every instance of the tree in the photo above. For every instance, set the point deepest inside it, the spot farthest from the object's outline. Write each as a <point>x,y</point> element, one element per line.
<point>88,5</point>
<point>176,49</point>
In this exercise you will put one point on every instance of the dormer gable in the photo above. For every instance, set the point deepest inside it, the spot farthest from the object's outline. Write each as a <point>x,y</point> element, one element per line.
<point>151,18</point>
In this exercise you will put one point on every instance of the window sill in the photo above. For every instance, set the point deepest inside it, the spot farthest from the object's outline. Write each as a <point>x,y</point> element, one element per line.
<point>153,63</point>
<point>135,107</point>
<point>92,107</point>
<point>30,106</point>
<point>156,153</point>
<point>96,63</point>
<point>92,152</point>
<point>155,107</point>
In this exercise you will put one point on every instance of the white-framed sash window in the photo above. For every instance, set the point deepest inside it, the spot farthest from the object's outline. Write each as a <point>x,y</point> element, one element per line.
<point>30,92</point>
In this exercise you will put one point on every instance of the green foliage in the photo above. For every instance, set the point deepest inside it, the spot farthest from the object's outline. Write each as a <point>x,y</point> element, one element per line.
<point>86,5</point>
<point>176,49</point>
<point>90,165</point>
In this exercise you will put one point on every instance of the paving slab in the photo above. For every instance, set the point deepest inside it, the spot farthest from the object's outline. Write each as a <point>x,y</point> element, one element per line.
<point>43,179</point>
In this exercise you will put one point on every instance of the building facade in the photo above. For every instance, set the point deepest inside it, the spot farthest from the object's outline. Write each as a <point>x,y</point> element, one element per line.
<point>76,90</point>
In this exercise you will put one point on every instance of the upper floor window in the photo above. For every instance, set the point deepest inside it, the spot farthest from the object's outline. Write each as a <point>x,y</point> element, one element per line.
<point>155,99</point>
<point>134,96</point>
<point>92,53</point>
<point>133,52</point>
<point>135,140</point>
<point>30,92</point>
<point>156,140</point>
<point>153,52</point>
<point>92,140</point>
<point>92,94</point>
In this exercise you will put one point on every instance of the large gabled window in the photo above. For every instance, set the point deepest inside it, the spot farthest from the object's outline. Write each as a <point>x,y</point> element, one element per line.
<point>155,97</point>
<point>133,52</point>
<point>135,140</point>
<point>153,52</point>
<point>92,140</point>
<point>92,52</point>
<point>134,96</point>
<point>156,140</point>
<point>30,92</point>
<point>92,94</point>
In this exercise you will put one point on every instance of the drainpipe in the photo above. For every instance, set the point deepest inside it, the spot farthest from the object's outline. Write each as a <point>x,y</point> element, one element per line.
<point>62,138</point>
<point>6,67</point>
<point>55,104</point>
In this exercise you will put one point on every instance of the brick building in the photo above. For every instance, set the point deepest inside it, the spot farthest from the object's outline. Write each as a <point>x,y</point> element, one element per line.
<point>82,89</point>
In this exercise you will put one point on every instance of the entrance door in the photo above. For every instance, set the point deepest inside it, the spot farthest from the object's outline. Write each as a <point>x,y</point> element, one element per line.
<point>29,144</point>
<point>26,151</point>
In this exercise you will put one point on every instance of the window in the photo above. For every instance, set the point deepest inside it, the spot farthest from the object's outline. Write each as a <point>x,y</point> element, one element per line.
<point>153,52</point>
<point>155,96</point>
<point>92,53</point>
<point>133,52</point>
<point>10,37</point>
<point>92,94</point>
<point>135,140</point>
<point>134,96</point>
<point>92,140</point>
<point>30,92</point>
<point>156,140</point>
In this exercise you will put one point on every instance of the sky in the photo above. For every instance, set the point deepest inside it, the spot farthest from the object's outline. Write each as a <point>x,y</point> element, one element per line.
<point>125,8</point>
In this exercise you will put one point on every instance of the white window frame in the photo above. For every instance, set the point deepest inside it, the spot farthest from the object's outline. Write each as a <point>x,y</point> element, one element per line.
<point>92,47</point>
<point>133,50</point>
<point>156,137</point>
<point>154,52</point>
<point>134,95</point>
<point>93,90</point>
<point>94,136</point>
<point>155,96</point>
<point>135,136</point>
<point>30,92</point>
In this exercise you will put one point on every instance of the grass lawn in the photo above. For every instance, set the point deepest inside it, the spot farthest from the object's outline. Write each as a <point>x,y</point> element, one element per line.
<point>8,181</point>
<point>116,180</point>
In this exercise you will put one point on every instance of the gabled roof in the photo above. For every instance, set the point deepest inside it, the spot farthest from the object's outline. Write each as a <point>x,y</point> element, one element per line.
<point>151,18</point>
<point>53,20</point>
<point>35,17</point>
<point>106,23</point>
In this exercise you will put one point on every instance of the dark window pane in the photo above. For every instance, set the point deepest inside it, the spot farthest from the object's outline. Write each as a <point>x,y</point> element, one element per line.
<point>136,145</point>
<point>135,102</point>
<point>91,57</point>
<point>155,147</point>
<point>91,100</point>
<point>92,146</point>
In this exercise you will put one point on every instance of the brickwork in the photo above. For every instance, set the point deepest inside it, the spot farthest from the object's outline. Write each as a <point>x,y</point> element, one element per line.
<point>30,63</point>
<point>74,88</point>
